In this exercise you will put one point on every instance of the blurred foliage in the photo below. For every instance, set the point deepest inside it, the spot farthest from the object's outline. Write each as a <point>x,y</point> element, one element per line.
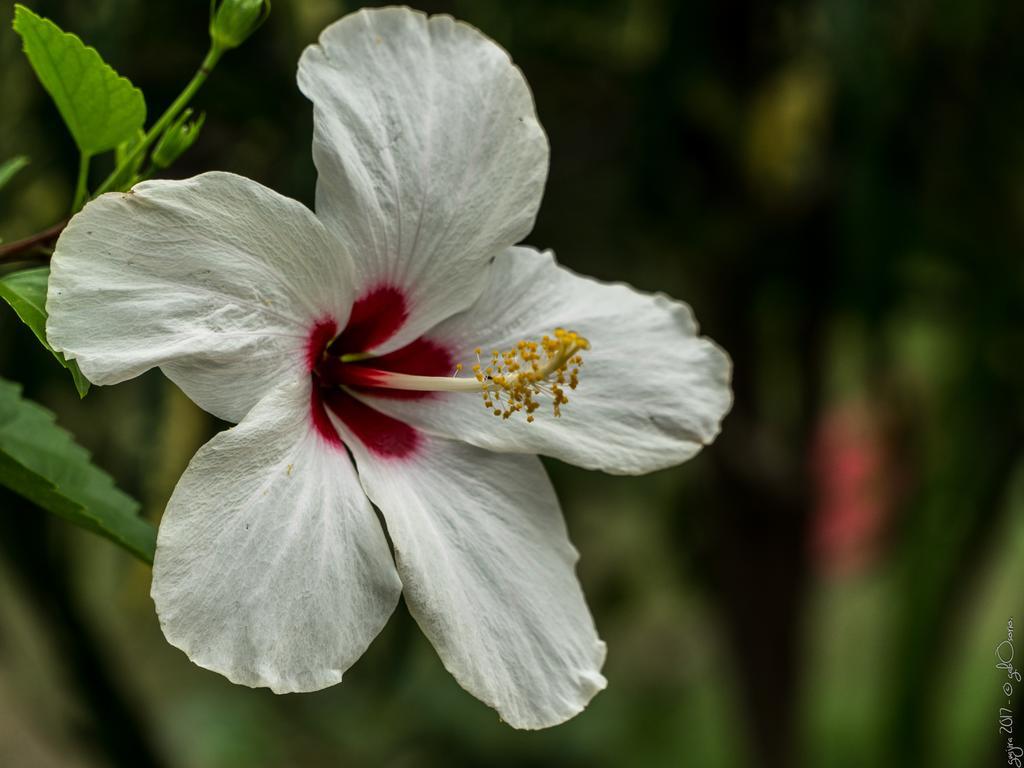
<point>838,189</point>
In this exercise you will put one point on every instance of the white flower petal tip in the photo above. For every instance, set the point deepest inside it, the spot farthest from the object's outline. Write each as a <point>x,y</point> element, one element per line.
<point>720,382</point>
<point>589,684</point>
<point>271,567</point>
<point>430,156</point>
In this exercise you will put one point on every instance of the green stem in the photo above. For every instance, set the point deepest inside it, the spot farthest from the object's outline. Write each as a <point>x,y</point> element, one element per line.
<point>148,173</point>
<point>81,187</point>
<point>212,57</point>
<point>19,248</point>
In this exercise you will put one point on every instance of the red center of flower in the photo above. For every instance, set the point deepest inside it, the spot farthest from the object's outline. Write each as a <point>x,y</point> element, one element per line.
<point>375,318</point>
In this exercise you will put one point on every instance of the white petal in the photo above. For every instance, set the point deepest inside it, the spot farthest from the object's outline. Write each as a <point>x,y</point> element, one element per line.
<point>430,155</point>
<point>216,279</point>
<point>651,391</point>
<point>488,573</point>
<point>271,567</point>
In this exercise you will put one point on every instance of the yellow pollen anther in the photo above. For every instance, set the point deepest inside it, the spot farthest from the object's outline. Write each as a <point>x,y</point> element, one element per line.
<point>529,370</point>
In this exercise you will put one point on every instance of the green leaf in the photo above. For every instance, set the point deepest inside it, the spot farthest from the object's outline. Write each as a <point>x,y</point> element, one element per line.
<point>42,462</point>
<point>11,167</point>
<point>25,291</point>
<point>101,108</point>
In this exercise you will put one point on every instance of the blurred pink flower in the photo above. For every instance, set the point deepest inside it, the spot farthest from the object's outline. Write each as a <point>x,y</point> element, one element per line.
<point>854,489</point>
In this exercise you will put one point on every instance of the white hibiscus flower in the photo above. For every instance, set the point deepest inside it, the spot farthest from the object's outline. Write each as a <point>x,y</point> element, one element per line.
<point>333,340</point>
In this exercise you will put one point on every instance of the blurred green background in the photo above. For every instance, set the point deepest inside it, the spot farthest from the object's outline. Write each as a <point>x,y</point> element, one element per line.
<point>837,187</point>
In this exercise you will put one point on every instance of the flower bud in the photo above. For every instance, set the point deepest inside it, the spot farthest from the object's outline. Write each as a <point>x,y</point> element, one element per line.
<point>124,150</point>
<point>179,136</point>
<point>232,21</point>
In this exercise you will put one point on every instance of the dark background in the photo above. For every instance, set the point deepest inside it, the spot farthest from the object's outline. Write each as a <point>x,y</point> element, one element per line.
<point>837,187</point>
